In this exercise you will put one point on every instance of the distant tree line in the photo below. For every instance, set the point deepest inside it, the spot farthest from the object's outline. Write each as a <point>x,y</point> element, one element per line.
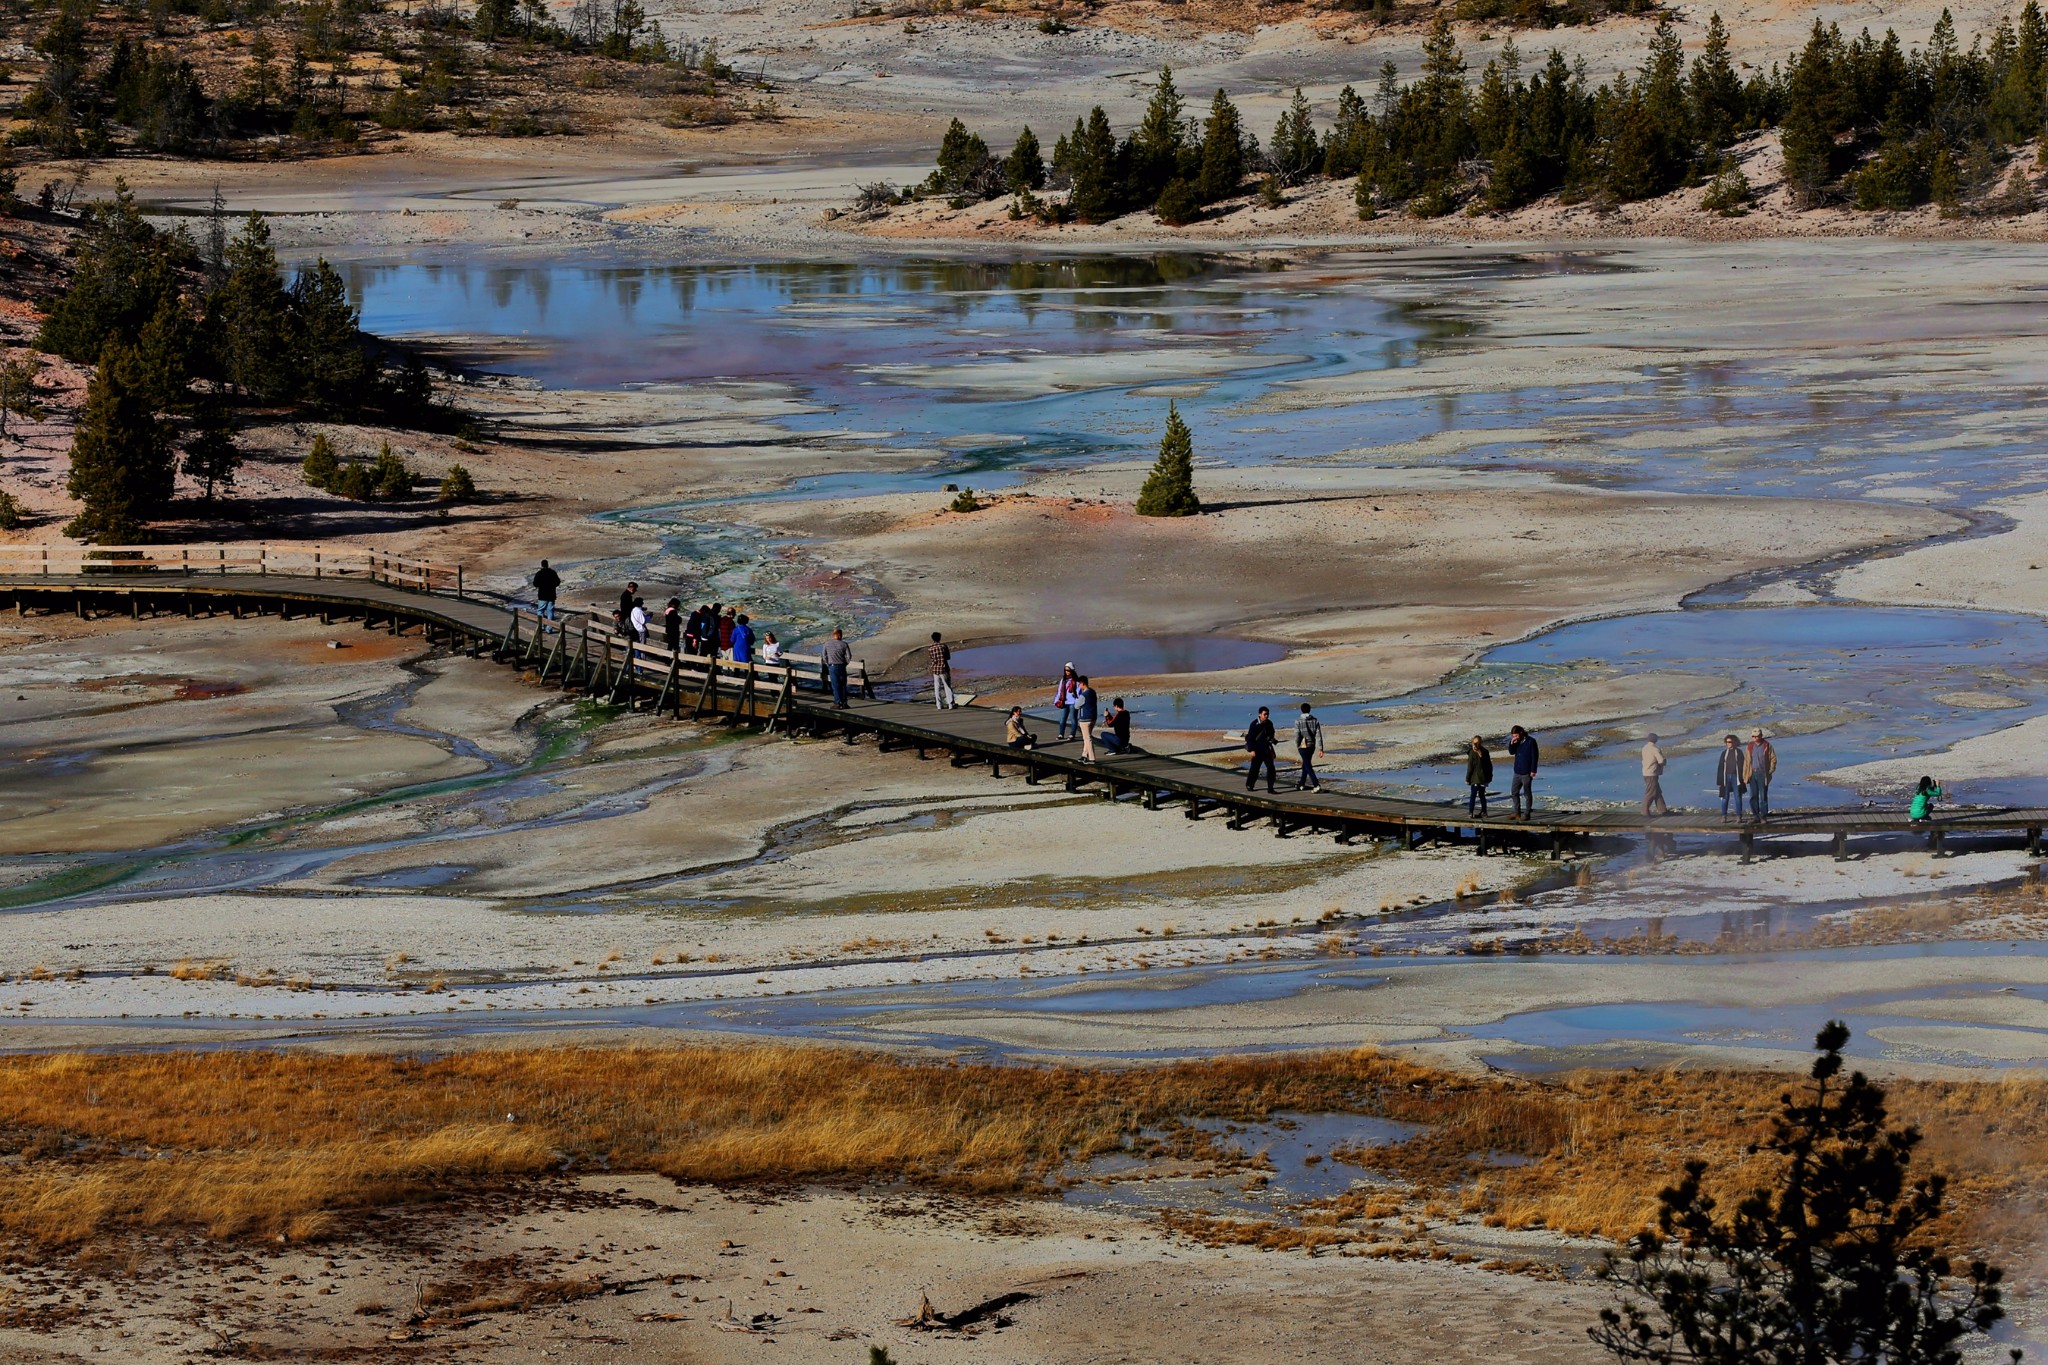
<point>108,82</point>
<point>178,335</point>
<point>1861,120</point>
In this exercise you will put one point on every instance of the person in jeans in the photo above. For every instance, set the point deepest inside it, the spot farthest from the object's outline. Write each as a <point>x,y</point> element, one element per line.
<point>1258,738</point>
<point>1522,794</point>
<point>1728,776</point>
<point>1653,779</point>
<point>1308,742</point>
<point>837,656</point>
<point>743,641</point>
<point>1117,728</point>
<point>1087,711</point>
<point>1066,695</point>
<point>1478,776</point>
<point>623,617</point>
<point>1759,765</point>
<point>546,583</point>
<point>940,656</point>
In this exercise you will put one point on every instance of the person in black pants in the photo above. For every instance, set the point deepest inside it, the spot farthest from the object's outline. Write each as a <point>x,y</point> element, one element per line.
<point>1259,740</point>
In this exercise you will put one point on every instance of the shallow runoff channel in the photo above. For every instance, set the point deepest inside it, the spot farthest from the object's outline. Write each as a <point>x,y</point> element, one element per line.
<point>1602,366</point>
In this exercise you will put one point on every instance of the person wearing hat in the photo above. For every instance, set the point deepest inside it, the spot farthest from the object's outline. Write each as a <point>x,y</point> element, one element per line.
<point>1759,764</point>
<point>1653,778</point>
<point>1066,695</point>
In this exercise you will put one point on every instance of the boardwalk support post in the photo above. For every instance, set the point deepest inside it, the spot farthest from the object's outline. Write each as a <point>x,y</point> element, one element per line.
<point>2033,841</point>
<point>1556,844</point>
<point>1841,846</point>
<point>1748,846</point>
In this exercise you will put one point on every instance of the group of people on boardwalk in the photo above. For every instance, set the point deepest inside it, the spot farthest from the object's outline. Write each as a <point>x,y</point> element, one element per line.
<point>1080,716</point>
<point>712,631</point>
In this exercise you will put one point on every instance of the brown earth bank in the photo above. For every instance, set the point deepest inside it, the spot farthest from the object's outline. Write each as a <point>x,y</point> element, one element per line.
<point>503,1203</point>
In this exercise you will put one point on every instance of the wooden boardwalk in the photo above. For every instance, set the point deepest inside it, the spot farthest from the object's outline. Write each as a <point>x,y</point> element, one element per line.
<point>582,654</point>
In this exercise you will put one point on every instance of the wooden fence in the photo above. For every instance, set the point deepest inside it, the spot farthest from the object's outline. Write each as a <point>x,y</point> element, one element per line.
<point>306,561</point>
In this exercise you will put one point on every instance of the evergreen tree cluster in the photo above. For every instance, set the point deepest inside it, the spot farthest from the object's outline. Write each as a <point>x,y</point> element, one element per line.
<point>379,480</point>
<point>1862,120</point>
<point>101,91</point>
<point>175,332</point>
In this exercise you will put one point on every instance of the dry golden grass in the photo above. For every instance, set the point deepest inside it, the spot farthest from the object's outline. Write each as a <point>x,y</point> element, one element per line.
<point>267,1144</point>
<point>262,1143</point>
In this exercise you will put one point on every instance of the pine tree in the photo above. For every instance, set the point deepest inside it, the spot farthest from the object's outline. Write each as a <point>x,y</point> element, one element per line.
<point>962,156</point>
<point>1807,127</point>
<point>457,485</point>
<point>211,456</point>
<point>1344,145</point>
<point>1024,168</point>
<point>165,350</point>
<point>121,467</point>
<point>1161,142</point>
<point>18,396</point>
<point>333,369</point>
<point>1178,204</point>
<point>1662,88</point>
<point>125,270</point>
<point>1715,90</point>
<point>1169,489</point>
<point>322,468</point>
<point>1837,1259</point>
<point>252,317</point>
<point>1092,155</point>
<point>1222,151</point>
<point>1295,152</point>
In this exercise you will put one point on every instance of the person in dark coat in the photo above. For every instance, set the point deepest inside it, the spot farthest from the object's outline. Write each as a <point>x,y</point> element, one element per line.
<point>546,584</point>
<point>672,625</point>
<point>1258,739</point>
<point>624,615</point>
<point>1478,776</point>
<point>1522,794</point>
<point>1728,776</point>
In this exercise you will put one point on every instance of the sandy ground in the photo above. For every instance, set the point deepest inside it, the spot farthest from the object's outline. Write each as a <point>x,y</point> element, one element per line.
<point>832,1273</point>
<point>1480,564</point>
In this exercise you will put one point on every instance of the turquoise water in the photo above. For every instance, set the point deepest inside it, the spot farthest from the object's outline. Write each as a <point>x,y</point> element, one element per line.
<point>992,369</point>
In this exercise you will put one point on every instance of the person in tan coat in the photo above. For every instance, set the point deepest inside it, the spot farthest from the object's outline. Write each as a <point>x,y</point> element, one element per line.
<point>1759,765</point>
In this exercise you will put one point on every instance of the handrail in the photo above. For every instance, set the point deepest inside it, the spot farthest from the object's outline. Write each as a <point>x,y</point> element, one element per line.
<point>596,619</point>
<point>651,663</point>
<point>318,560</point>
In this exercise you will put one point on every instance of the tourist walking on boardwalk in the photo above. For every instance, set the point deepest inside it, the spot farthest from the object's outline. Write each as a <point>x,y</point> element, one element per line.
<point>1088,710</point>
<point>1308,742</point>
<point>837,657</point>
<point>771,649</point>
<point>1759,764</point>
<point>1653,778</point>
<point>1522,791</point>
<point>1066,695</point>
<point>939,662</point>
<point>623,617</point>
<point>1259,740</point>
<point>546,583</point>
<point>1478,776</point>
<point>1014,733</point>
<point>725,628</point>
<point>709,644</point>
<point>743,641</point>
<point>1728,776</point>
<point>672,625</point>
<point>1117,728</point>
<point>636,620</point>
<point>1924,796</point>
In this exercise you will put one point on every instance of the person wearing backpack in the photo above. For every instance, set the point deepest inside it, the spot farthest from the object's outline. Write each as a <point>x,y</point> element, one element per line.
<point>1258,741</point>
<point>1478,776</point>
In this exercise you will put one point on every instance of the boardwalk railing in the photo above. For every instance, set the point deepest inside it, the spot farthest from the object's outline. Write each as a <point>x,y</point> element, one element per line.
<point>591,653</point>
<point>306,561</point>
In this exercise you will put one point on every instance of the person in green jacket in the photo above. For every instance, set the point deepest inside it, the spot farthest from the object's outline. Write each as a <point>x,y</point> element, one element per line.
<point>1924,796</point>
<point>1478,777</point>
